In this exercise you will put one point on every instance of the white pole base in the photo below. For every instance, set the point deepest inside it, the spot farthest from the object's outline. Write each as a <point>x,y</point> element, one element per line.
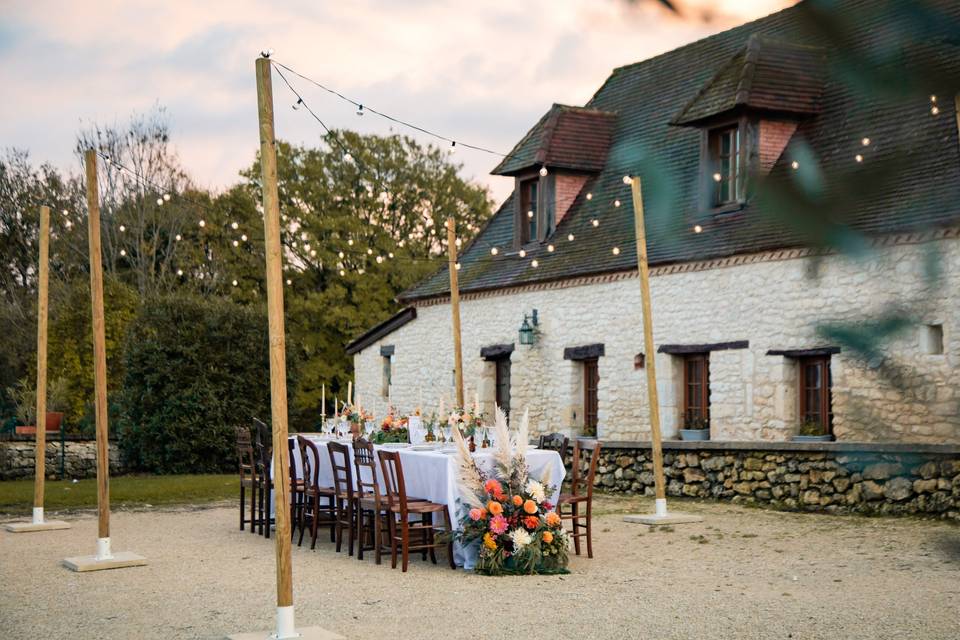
<point>304,633</point>
<point>662,516</point>
<point>103,549</point>
<point>36,524</point>
<point>285,626</point>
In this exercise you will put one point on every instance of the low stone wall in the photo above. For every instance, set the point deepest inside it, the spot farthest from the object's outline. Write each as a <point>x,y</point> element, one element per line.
<point>80,459</point>
<point>832,477</point>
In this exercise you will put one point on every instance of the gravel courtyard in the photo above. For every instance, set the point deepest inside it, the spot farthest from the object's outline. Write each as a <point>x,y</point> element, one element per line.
<point>742,573</point>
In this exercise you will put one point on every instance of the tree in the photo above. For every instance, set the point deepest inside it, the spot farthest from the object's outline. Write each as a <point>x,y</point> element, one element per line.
<point>362,221</point>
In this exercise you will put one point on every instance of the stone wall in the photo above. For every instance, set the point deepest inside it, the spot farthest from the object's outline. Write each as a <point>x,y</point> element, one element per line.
<point>832,477</point>
<point>774,301</point>
<point>17,458</point>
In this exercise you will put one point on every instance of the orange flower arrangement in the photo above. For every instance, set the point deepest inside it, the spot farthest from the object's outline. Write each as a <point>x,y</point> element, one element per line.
<point>517,501</point>
<point>531,522</point>
<point>495,507</point>
<point>530,506</point>
<point>552,519</point>
<point>547,537</point>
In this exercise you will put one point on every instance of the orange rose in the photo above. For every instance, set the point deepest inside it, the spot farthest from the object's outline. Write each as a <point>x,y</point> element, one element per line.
<point>517,501</point>
<point>530,506</point>
<point>531,522</point>
<point>553,519</point>
<point>547,537</point>
<point>495,508</point>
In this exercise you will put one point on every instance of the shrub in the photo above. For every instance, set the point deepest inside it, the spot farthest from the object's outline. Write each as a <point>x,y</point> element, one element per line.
<point>193,368</point>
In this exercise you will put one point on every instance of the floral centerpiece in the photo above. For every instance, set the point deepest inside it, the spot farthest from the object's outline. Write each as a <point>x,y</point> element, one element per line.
<point>356,417</point>
<point>392,429</point>
<point>509,513</point>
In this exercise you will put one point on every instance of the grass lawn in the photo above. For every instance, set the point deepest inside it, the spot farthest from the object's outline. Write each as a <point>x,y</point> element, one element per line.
<point>16,496</point>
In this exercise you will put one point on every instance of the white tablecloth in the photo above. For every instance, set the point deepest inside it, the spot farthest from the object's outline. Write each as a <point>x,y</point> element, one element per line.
<point>433,475</point>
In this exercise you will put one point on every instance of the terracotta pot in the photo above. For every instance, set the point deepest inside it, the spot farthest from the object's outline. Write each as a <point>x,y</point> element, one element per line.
<point>54,420</point>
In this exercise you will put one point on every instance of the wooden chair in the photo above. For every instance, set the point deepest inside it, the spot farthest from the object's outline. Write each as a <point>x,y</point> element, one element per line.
<point>263,448</point>
<point>581,493</point>
<point>298,487</point>
<point>370,502</point>
<point>400,509</point>
<point>248,475</point>
<point>555,442</point>
<point>312,511</point>
<point>343,489</point>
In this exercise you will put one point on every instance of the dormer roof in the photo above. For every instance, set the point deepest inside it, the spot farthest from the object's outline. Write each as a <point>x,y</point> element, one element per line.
<point>574,138</point>
<point>766,75</point>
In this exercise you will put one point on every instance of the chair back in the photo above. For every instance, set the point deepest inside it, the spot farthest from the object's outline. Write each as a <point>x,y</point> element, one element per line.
<point>263,448</point>
<point>554,442</point>
<point>396,491</point>
<point>310,461</point>
<point>245,454</point>
<point>586,455</point>
<point>340,463</point>
<point>364,458</point>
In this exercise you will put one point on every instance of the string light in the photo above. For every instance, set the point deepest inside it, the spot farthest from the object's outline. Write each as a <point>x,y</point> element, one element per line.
<point>543,171</point>
<point>361,272</point>
<point>166,197</point>
<point>236,243</point>
<point>350,242</point>
<point>234,226</point>
<point>550,248</point>
<point>65,212</point>
<point>934,110</point>
<point>379,259</point>
<point>179,272</point>
<point>296,105</point>
<point>303,236</point>
<point>360,110</point>
<point>530,214</point>
<point>202,223</point>
<point>523,253</point>
<point>159,202</point>
<point>178,237</point>
<point>494,251</point>
<point>122,228</point>
<point>458,242</point>
<point>453,146</point>
<point>68,224</point>
<point>858,158</point>
<point>340,255</point>
<point>342,273</point>
<point>794,165</point>
<point>347,157</point>
<point>234,283</point>
<point>290,282</point>
<point>589,196</point>
<point>596,222</point>
<point>616,251</point>
<point>369,252</point>
<point>697,228</point>
<point>244,237</point>
<point>570,237</point>
<point>717,177</point>
<point>457,265</point>
<point>123,252</point>
<point>534,264</point>
<point>627,180</point>
<point>616,203</point>
<point>865,142</point>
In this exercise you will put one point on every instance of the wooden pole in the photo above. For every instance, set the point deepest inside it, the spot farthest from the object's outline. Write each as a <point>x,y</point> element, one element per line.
<point>278,364</point>
<point>41,421</point>
<point>455,311</point>
<point>99,349</point>
<point>654,402</point>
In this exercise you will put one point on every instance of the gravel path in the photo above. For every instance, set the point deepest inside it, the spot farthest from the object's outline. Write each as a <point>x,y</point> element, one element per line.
<point>742,573</point>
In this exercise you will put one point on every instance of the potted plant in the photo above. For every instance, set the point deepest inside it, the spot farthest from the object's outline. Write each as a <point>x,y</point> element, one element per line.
<point>695,429</point>
<point>24,397</point>
<point>812,431</point>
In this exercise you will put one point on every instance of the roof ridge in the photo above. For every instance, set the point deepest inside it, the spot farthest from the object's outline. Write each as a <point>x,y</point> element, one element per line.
<point>751,53</point>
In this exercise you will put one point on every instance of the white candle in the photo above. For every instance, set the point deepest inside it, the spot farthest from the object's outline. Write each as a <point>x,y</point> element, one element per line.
<point>323,400</point>
<point>349,392</point>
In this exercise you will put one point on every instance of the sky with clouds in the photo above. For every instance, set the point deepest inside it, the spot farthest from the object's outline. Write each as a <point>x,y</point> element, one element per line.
<point>481,72</point>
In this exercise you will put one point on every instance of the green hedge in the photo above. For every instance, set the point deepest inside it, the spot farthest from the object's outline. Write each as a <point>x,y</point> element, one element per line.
<point>193,368</point>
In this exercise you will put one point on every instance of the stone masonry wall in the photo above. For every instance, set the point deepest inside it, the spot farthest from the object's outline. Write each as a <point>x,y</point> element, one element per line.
<point>904,395</point>
<point>795,477</point>
<point>17,459</point>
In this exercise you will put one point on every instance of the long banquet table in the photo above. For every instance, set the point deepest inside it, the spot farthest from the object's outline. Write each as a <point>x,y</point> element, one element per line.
<point>432,474</point>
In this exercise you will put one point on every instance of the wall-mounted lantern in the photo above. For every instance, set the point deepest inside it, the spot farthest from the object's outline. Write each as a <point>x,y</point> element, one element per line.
<point>528,333</point>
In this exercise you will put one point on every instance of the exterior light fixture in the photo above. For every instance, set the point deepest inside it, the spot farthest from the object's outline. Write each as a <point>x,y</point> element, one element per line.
<point>528,332</point>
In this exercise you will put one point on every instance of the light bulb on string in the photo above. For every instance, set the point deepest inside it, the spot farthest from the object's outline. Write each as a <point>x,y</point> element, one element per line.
<point>179,272</point>
<point>236,243</point>
<point>616,203</point>
<point>289,282</point>
<point>296,105</point>
<point>530,214</point>
<point>234,283</point>
<point>865,142</point>
<point>543,171</point>
<point>178,237</point>
<point>166,197</point>
<point>350,242</point>
<point>534,263</point>
<point>457,265</point>
<point>697,228</point>
<point>596,222</point>
<point>244,237</point>
<point>306,247</point>
<point>858,158</point>
<point>523,253</point>
<point>934,110</point>
<point>68,224</point>
<point>458,242</point>
<point>122,228</point>
<point>342,272</point>
<point>234,226</point>
<point>123,252</point>
<point>347,157</point>
<point>159,201</point>
<point>717,177</point>
<point>453,146</point>
<point>369,252</point>
<point>340,255</point>
<point>361,272</point>
<point>202,223</point>
<point>550,248</point>
<point>360,110</point>
<point>570,237</point>
<point>794,165</point>
<point>616,251</point>
<point>589,196</point>
<point>494,251</point>
<point>65,212</point>
<point>627,180</point>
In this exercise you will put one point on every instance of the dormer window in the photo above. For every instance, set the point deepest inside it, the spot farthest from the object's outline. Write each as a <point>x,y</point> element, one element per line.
<point>725,163</point>
<point>529,212</point>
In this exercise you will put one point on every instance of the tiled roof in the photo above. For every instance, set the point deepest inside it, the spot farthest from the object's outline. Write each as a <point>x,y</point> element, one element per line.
<point>768,75</point>
<point>566,137</point>
<point>922,192</point>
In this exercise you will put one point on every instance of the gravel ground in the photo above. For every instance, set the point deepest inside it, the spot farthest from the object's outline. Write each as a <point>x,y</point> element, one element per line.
<point>742,573</point>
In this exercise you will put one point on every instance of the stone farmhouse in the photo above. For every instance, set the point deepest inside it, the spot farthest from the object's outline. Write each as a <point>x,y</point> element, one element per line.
<point>792,213</point>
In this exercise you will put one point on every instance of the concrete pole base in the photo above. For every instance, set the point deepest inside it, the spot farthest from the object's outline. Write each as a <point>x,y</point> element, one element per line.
<point>46,525</point>
<point>117,560</point>
<point>304,633</point>
<point>662,516</point>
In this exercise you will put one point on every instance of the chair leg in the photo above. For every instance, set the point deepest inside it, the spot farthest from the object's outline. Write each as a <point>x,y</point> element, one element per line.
<point>351,531</point>
<point>253,506</point>
<point>405,529</point>
<point>360,531</point>
<point>301,524</point>
<point>446,522</point>
<point>393,540</point>
<point>574,509</point>
<point>243,502</point>
<point>377,535</point>
<point>266,513</point>
<point>589,533</point>
<point>339,524</point>
<point>430,539</point>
